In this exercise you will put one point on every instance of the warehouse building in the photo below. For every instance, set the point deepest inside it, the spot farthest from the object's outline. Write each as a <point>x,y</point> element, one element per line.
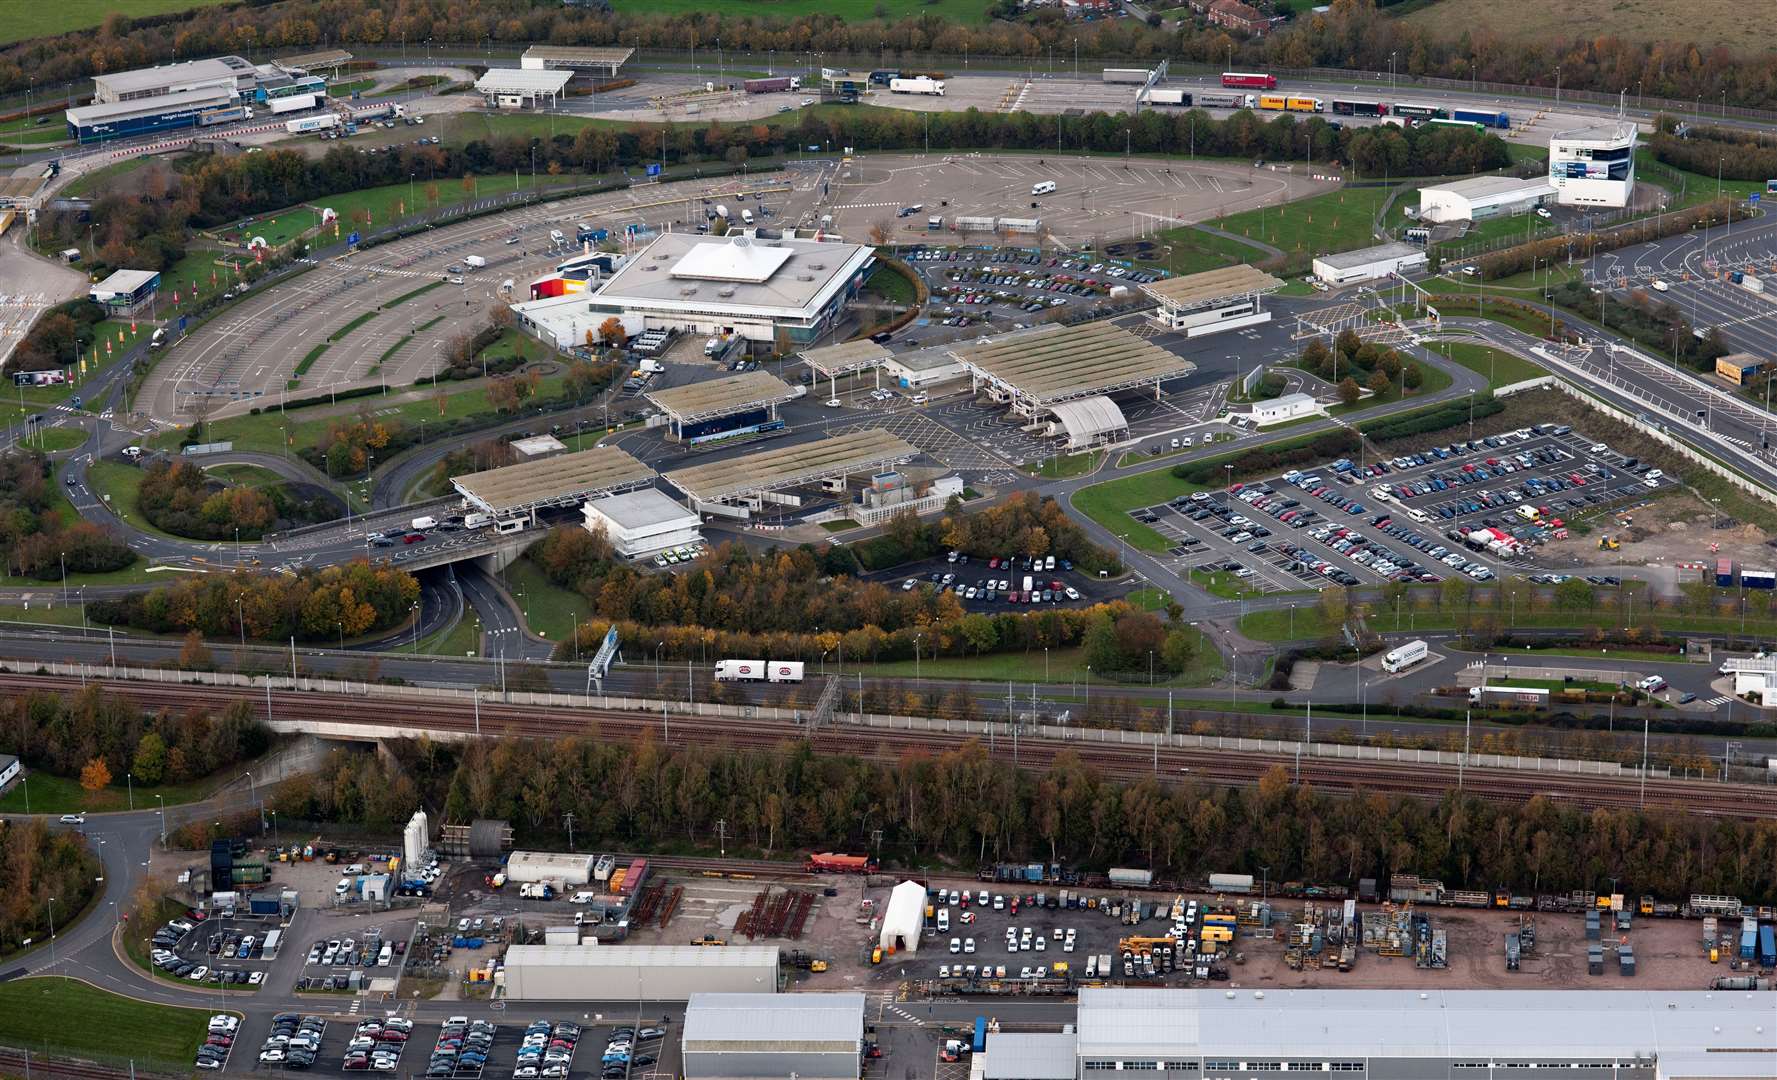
<point>1594,166</point>
<point>1739,368</point>
<point>640,523</point>
<point>228,73</point>
<point>551,866</point>
<point>125,292</point>
<point>746,1037</point>
<point>1369,264</point>
<point>122,119</point>
<point>1425,1035</point>
<point>521,88</point>
<point>1483,197</point>
<point>637,972</point>
<point>739,284</point>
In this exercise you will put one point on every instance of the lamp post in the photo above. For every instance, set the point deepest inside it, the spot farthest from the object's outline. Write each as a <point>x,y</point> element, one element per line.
<point>52,931</point>
<point>163,820</point>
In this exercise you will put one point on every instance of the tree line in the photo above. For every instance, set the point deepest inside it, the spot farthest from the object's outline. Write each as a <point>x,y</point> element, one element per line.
<point>58,339</point>
<point>64,734</point>
<point>36,865</point>
<point>1348,34</point>
<point>39,532</point>
<point>324,604</point>
<point>962,805</point>
<point>177,496</point>
<point>1730,153</point>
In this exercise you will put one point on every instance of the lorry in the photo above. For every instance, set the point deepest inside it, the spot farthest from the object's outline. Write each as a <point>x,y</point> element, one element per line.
<point>586,234</point>
<point>226,115</point>
<point>1214,100</point>
<point>475,262</point>
<point>1404,657</point>
<point>1249,80</point>
<point>308,124</point>
<point>777,671</point>
<point>778,84</point>
<point>293,103</point>
<point>1499,120</point>
<point>423,523</point>
<point>923,84</point>
<point>1169,97</point>
<point>831,862</point>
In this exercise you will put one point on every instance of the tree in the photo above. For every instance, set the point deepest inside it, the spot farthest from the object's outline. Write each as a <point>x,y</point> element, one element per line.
<point>1574,594</point>
<point>194,655</point>
<point>611,331</point>
<point>1349,391</point>
<point>880,231</point>
<point>1179,650</point>
<point>1348,343</point>
<point>150,763</point>
<point>95,775</point>
<point>1334,606</point>
<point>1412,377</point>
<point>1379,383</point>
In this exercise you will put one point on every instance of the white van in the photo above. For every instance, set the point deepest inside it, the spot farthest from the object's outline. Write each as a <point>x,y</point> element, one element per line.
<point>1419,516</point>
<point>746,216</point>
<point>159,339</point>
<point>387,954</point>
<point>1047,187</point>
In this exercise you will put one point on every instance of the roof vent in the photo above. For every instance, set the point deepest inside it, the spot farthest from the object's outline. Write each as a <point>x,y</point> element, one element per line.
<point>804,277</point>
<point>689,290</point>
<point>1229,995</point>
<point>817,266</point>
<point>1258,995</point>
<point>725,291</point>
<point>740,239</point>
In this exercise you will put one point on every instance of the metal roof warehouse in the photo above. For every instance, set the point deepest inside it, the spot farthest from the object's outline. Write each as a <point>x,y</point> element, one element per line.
<point>810,1036</point>
<point>714,398</point>
<point>556,481</point>
<point>791,466</point>
<point>1215,300</point>
<point>1036,371</point>
<point>599,61</point>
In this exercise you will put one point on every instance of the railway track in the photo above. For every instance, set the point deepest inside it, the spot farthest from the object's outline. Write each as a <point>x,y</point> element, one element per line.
<point>1120,762</point>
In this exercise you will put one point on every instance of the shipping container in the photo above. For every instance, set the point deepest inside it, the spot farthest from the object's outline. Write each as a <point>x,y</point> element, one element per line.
<point>1758,579</point>
<point>1767,946</point>
<point>1139,879</point>
<point>1126,75</point>
<point>1748,944</point>
<point>561,935</point>
<point>632,880</point>
<point>263,905</point>
<point>980,1042</point>
<point>1249,80</point>
<point>1724,572</point>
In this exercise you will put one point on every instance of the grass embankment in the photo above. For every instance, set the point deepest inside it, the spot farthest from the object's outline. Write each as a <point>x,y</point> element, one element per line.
<point>1306,622</point>
<point>24,21</point>
<point>73,1018</point>
<point>1500,367</point>
<point>463,639</point>
<point>1062,467</point>
<point>61,795</point>
<point>962,11</point>
<point>549,609</point>
<point>1109,504</point>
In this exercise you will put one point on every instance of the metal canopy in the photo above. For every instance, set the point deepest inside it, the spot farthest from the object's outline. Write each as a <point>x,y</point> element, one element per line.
<point>707,400</point>
<point>1211,287</point>
<point>791,466</point>
<point>1040,370</point>
<point>832,361</point>
<point>556,481</point>
<point>570,56</point>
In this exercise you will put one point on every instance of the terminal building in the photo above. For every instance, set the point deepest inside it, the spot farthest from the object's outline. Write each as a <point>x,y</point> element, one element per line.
<point>513,494</point>
<point>742,485</point>
<point>192,93</point>
<point>1594,166</point>
<point>1369,264</point>
<point>1482,197</point>
<point>125,292</point>
<point>643,522</point>
<point>230,74</point>
<point>742,284</point>
<point>1401,1035</point>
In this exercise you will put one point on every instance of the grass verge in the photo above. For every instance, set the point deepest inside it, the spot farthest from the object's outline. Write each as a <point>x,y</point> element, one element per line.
<point>339,334</point>
<point>70,1017</point>
<point>548,609</point>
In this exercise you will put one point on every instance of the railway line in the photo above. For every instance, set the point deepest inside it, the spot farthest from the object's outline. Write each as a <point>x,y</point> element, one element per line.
<point>1127,763</point>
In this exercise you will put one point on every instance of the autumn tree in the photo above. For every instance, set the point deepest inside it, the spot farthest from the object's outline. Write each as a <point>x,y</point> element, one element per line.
<point>611,332</point>
<point>1349,391</point>
<point>95,775</point>
<point>1379,383</point>
<point>194,655</point>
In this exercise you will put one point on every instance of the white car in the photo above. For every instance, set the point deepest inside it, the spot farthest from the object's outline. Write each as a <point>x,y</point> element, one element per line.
<point>968,945</point>
<point>1542,212</point>
<point>921,398</point>
<point>834,403</point>
<point>956,945</point>
<point>198,973</point>
<point>1660,286</point>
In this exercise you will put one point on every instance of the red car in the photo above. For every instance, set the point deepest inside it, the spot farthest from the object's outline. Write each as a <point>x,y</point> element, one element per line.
<point>413,538</point>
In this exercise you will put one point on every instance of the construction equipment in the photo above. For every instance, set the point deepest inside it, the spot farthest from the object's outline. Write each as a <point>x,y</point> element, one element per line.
<point>1608,543</point>
<point>1143,944</point>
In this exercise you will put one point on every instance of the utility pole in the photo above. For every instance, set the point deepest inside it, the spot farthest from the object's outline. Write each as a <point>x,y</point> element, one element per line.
<point>569,819</point>
<point>722,836</point>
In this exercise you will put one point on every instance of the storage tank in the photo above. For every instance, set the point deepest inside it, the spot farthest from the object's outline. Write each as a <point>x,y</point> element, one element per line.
<point>1139,879</point>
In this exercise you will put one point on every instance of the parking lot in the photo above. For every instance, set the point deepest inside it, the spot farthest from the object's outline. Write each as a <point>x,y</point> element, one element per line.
<point>991,583</point>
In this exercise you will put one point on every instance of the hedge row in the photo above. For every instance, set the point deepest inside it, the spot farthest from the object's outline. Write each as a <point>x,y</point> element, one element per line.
<point>1425,421</point>
<point>1264,460</point>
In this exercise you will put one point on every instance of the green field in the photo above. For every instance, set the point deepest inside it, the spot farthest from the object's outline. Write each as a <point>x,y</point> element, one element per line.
<point>549,609</point>
<point>278,229</point>
<point>69,1017</point>
<point>1337,220</point>
<point>53,439</point>
<point>463,639</point>
<point>1689,188</point>
<point>29,21</point>
<point>1501,368</point>
<point>250,475</point>
<point>1061,467</point>
<point>62,795</point>
<point>346,89</point>
<point>1108,504</point>
<point>18,402</point>
<point>1224,584</point>
<point>1277,625</point>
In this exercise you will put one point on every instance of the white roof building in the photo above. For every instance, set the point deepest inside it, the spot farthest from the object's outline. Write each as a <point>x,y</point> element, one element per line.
<point>1594,165</point>
<point>1368,264</point>
<point>642,522</point>
<point>1287,407</point>
<point>229,73</point>
<point>904,918</point>
<point>1482,197</point>
<point>1088,421</point>
<point>744,283</point>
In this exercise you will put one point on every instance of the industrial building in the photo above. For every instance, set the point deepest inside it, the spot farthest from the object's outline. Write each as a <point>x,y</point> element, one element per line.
<point>192,93</point>
<point>552,866</point>
<point>746,1037</point>
<point>1036,370</point>
<point>1277,410</point>
<point>1594,166</point>
<point>522,88</point>
<point>1420,1035</point>
<point>640,523</point>
<point>1369,264</point>
<point>121,119</point>
<point>228,73</point>
<point>1482,197</point>
<point>537,447</point>
<point>589,972</point>
<point>1213,301</point>
<point>1755,677</point>
<point>743,284</point>
<point>903,919</point>
<point>1739,368</point>
<point>125,291</point>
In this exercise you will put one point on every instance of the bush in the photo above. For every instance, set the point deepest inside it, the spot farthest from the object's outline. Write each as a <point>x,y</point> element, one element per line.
<point>1313,448</point>
<point>1426,421</point>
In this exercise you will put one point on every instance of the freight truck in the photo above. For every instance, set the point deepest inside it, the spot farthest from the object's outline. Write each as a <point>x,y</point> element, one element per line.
<point>1498,120</point>
<point>1249,80</point>
<point>226,115</point>
<point>1214,100</point>
<point>777,85</point>
<point>777,671</point>
<point>1404,657</point>
<point>1169,97</point>
<point>293,103</point>
<point>921,85</point>
<point>311,123</point>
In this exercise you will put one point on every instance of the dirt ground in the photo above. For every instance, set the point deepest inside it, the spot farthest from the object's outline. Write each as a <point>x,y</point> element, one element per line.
<point>1676,527</point>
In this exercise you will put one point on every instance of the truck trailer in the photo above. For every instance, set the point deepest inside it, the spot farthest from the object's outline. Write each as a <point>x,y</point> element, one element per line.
<point>1214,100</point>
<point>1499,120</point>
<point>293,103</point>
<point>921,85</point>
<point>1249,80</point>
<point>307,124</point>
<point>1126,75</point>
<point>775,85</point>
<point>777,671</point>
<point>1169,97</point>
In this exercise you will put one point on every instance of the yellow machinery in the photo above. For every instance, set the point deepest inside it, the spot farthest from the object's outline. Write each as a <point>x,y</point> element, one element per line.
<point>1608,543</point>
<point>1144,944</point>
